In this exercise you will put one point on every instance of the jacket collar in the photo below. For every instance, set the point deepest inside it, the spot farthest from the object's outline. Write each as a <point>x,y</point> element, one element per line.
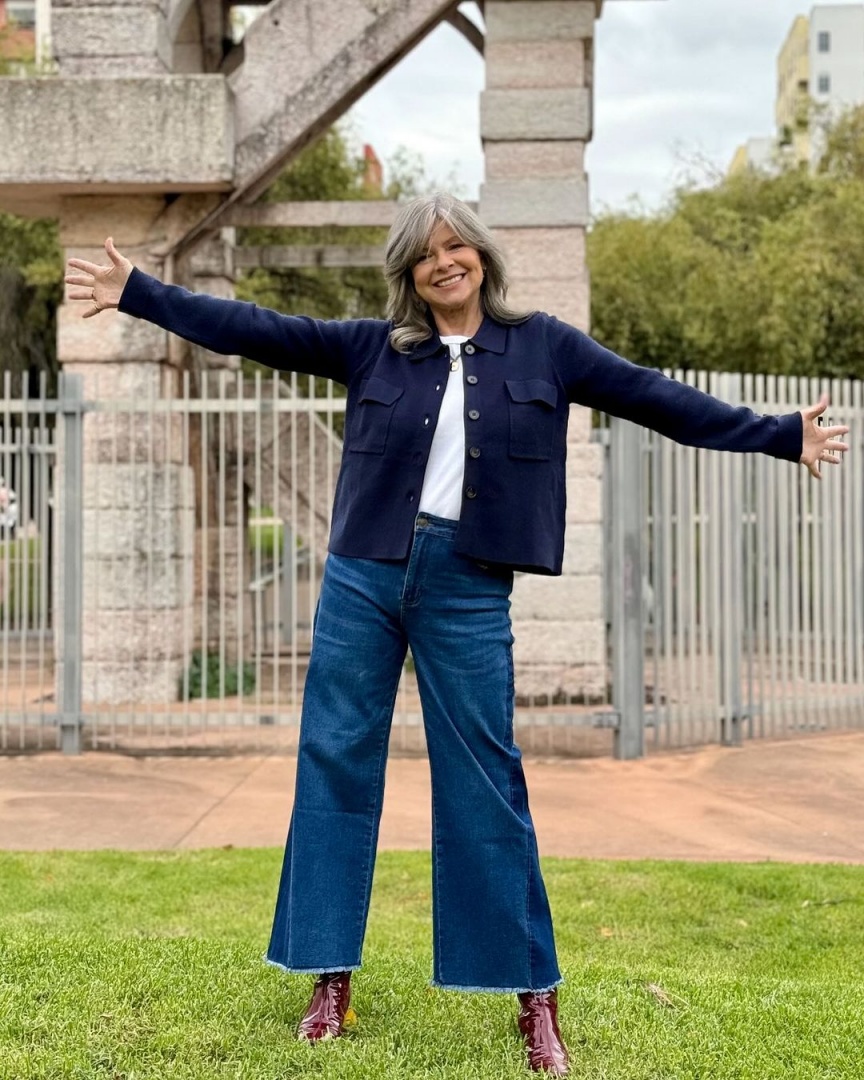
<point>492,337</point>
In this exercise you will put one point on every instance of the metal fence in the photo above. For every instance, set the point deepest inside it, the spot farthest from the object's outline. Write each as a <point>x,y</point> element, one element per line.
<point>188,533</point>
<point>173,547</point>
<point>750,597</point>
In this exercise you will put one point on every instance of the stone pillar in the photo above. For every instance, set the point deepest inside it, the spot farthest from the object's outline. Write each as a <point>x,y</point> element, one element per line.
<point>535,121</point>
<point>138,493</point>
<point>223,608</point>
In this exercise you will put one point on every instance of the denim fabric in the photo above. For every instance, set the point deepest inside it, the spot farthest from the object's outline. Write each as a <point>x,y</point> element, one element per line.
<point>491,922</point>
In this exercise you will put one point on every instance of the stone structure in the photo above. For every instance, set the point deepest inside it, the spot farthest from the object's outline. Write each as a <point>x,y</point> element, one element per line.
<point>535,120</point>
<point>154,127</point>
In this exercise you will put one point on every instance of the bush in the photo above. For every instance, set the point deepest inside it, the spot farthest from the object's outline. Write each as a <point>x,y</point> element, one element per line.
<point>208,678</point>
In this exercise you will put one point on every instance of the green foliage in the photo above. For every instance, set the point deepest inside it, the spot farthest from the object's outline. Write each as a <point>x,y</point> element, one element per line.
<point>148,966</point>
<point>327,170</point>
<point>21,583</point>
<point>758,273</point>
<point>31,274</point>
<point>266,537</point>
<point>209,677</point>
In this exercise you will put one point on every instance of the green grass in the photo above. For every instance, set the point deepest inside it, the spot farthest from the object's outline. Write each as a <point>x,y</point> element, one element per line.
<point>133,966</point>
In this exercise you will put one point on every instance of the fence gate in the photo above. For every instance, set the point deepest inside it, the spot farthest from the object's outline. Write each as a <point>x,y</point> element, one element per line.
<point>748,616</point>
<point>28,704</point>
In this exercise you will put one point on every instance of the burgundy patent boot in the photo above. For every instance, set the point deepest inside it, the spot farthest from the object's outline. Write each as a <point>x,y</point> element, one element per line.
<point>538,1022</point>
<point>325,1016</point>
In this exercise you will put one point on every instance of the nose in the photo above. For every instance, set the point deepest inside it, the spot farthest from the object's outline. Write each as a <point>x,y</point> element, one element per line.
<point>443,259</point>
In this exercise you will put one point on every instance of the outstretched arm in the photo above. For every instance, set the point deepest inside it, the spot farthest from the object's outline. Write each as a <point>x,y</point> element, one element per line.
<point>332,348</point>
<point>820,445</point>
<point>101,286</point>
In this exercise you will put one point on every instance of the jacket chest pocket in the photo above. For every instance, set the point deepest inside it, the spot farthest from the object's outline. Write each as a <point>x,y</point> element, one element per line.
<point>372,416</point>
<point>532,418</point>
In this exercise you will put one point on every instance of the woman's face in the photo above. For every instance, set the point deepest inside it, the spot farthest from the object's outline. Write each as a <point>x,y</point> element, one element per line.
<point>448,277</point>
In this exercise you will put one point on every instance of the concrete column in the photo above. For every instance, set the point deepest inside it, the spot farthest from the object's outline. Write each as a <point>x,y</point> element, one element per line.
<point>535,121</point>
<point>138,492</point>
<point>223,609</point>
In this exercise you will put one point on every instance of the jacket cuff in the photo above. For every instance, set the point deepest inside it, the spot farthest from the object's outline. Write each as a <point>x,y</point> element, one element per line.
<point>788,442</point>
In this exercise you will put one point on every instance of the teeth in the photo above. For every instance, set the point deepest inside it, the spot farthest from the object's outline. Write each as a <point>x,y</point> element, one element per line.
<point>450,280</point>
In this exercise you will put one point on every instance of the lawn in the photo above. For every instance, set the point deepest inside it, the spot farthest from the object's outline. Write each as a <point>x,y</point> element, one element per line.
<point>132,966</point>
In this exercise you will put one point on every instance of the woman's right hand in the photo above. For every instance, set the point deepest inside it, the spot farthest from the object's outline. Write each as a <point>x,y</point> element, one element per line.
<point>101,286</point>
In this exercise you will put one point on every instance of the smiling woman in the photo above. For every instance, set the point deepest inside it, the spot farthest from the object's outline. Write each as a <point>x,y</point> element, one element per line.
<point>452,477</point>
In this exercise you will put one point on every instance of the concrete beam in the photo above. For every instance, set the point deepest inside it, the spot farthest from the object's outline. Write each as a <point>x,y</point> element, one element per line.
<point>309,255</point>
<point>292,214</point>
<point>151,134</point>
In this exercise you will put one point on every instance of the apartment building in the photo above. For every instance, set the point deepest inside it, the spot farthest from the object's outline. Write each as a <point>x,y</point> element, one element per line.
<point>820,72</point>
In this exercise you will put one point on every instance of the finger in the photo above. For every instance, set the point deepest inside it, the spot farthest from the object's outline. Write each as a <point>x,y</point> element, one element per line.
<point>90,312</point>
<point>112,252</point>
<point>83,264</point>
<point>86,280</point>
<point>812,411</point>
<point>838,446</point>
<point>81,294</point>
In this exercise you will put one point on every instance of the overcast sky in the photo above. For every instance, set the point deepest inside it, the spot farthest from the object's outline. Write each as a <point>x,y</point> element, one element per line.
<point>676,80</point>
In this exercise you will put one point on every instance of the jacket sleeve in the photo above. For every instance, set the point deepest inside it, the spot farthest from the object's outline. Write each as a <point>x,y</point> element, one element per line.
<point>602,380</point>
<point>330,349</point>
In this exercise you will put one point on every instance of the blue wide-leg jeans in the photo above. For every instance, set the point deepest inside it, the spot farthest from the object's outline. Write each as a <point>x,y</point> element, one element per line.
<point>492,929</point>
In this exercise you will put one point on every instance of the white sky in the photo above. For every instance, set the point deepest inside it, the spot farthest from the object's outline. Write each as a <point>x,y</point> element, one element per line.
<point>676,80</point>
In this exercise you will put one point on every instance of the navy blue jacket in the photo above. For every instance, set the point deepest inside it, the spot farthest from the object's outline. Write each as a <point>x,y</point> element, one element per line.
<point>519,382</point>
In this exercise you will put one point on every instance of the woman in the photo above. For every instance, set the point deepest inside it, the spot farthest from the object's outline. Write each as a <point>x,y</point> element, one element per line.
<point>453,476</point>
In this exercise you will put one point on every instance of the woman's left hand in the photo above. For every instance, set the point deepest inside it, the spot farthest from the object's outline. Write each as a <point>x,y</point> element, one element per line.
<point>820,444</point>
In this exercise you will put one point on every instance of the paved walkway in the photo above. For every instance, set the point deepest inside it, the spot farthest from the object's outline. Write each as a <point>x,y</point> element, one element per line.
<point>799,800</point>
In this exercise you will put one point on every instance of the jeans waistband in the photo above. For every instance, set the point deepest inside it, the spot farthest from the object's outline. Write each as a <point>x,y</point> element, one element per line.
<point>436,525</point>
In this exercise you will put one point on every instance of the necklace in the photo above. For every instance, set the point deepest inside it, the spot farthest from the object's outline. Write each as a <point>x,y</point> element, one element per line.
<point>454,363</point>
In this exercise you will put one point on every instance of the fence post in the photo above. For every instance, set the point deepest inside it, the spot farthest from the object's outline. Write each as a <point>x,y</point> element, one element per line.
<point>71,409</point>
<point>731,569</point>
<point>628,644</point>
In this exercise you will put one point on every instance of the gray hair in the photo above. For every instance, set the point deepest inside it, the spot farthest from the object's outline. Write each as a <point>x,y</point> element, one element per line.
<point>409,240</point>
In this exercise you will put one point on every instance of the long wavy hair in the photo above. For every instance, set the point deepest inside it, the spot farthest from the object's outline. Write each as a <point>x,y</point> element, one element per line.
<point>409,240</point>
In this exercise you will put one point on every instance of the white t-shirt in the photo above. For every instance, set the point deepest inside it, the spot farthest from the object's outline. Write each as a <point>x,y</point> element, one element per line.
<point>445,469</point>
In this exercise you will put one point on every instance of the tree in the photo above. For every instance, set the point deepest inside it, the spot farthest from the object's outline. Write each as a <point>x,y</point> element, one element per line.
<point>327,170</point>
<point>31,272</point>
<point>756,273</point>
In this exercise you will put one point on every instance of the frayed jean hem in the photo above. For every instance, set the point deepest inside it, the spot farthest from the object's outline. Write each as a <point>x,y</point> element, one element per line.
<point>311,970</point>
<point>495,989</point>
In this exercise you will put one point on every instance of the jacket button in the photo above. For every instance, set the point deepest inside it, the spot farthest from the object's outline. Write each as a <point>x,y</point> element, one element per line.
<point>474,452</point>
<point>472,379</point>
<point>469,349</point>
<point>473,414</point>
<point>470,493</point>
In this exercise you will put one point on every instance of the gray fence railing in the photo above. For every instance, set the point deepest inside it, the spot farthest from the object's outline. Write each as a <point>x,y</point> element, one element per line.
<point>750,612</point>
<point>160,562</point>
